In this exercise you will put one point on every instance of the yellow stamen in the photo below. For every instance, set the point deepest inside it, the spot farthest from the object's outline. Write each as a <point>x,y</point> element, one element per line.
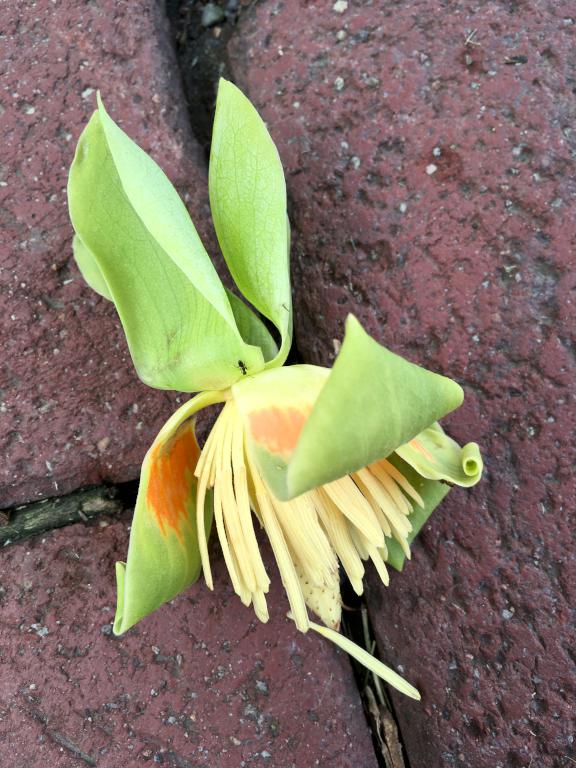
<point>236,538</point>
<point>203,472</point>
<point>405,484</point>
<point>337,531</point>
<point>260,607</point>
<point>239,587</point>
<point>400,525</point>
<point>382,519</point>
<point>307,541</point>
<point>243,502</point>
<point>376,558</point>
<point>347,520</point>
<point>345,494</point>
<point>281,553</point>
<point>390,486</point>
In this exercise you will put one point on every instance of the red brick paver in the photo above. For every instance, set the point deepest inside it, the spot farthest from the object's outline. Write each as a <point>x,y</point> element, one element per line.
<point>430,151</point>
<point>201,683</point>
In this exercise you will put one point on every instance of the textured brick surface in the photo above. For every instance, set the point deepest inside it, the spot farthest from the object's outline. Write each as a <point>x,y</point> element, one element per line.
<point>201,683</point>
<point>431,173</point>
<point>71,409</point>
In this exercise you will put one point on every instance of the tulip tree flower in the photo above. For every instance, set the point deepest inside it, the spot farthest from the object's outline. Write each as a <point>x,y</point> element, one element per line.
<point>337,466</point>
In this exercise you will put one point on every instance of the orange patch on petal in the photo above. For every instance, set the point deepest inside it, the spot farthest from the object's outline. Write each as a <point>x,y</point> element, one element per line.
<point>172,466</point>
<point>417,445</point>
<point>278,429</point>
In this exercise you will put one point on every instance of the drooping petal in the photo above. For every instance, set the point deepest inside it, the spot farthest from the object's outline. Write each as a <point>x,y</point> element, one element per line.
<point>438,457</point>
<point>422,464</point>
<point>163,554</point>
<point>248,202</point>
<point>307,426</point>
<point>136,231</point>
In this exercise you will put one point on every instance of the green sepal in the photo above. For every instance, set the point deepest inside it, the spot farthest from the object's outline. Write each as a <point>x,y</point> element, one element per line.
<point>437,456</point>
<point>170,300</point>
<point>248,203</point>
<point>163,553</point>
<point>431,491</point>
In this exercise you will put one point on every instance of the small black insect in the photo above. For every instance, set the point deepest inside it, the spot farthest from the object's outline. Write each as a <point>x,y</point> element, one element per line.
<point>242,367</point>
<point>512,60</point>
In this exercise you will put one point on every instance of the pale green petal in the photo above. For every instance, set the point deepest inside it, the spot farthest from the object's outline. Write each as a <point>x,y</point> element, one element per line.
<point>176,315</point>
<point>248,202</point>
<point>438,457</point>
<point>163,554</point>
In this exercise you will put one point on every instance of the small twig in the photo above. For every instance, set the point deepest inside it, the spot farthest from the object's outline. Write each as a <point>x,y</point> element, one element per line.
<point>470,38</point>
<point>59,738</point>
<point>42,516</point>
<point>68,744</point>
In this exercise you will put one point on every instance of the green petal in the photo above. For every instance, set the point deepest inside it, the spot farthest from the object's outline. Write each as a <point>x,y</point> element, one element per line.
<point>163,555</point>
<point>431,491</point>
<point>149,256</point>
<point>436,456</point>
<point>248,202</point>
<point>371,402</point>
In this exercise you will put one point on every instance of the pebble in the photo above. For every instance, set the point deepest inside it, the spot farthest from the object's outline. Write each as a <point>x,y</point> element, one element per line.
<point>212,14</point>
